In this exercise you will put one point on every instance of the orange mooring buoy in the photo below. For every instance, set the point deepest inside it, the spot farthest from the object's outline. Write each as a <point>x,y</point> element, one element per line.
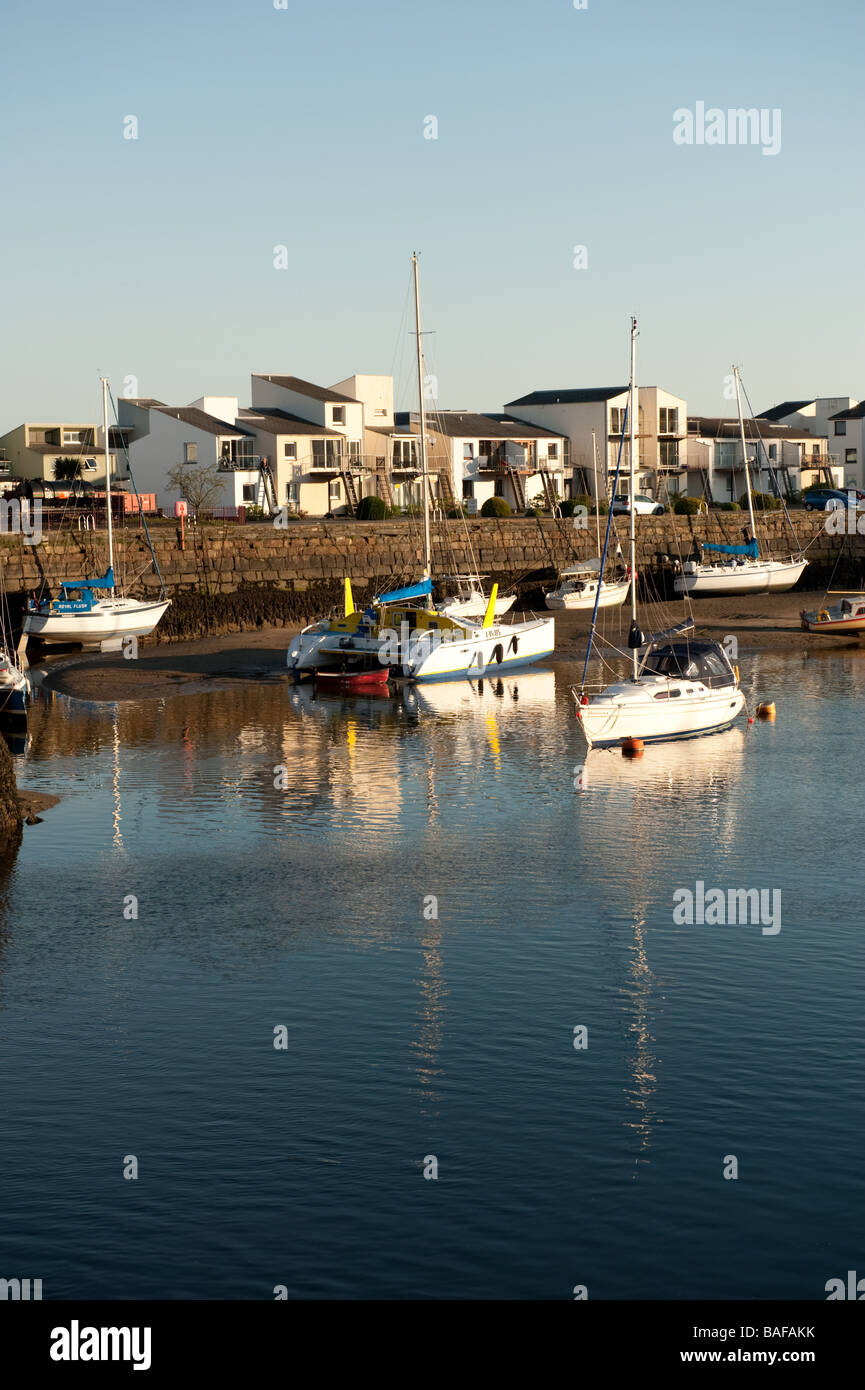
<point>632,748</point>
<point>766,710</point>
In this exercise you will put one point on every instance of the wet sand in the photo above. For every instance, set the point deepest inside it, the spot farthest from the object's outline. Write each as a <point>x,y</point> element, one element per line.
<point>760,623</point>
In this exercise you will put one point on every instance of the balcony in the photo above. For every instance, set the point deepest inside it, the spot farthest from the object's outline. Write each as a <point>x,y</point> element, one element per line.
<point>242,463</point>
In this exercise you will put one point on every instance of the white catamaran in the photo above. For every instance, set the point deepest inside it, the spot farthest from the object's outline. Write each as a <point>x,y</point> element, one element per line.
<point>90,611</point>
<point>403,629</point>
<point>743,570</point>
<point>677,688</point>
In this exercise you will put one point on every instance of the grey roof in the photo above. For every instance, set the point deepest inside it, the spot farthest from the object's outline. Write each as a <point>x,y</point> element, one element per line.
<point>145,402</point>
<point>778,412</point>
<point>281,422</point>
<point>725,427</point>
<point>464,424</point>
<point>200,420</point>
<point>569,397</point>
<point>853,412</point>
<point>306,388</point>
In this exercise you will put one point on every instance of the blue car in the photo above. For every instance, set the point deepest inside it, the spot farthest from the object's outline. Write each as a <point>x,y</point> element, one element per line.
<point>827,499</point>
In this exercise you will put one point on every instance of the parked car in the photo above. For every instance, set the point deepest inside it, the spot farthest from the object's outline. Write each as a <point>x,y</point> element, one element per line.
<point>643,505</point>
<point>827,499</point>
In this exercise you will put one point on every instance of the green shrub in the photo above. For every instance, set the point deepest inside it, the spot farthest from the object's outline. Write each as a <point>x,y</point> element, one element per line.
<point>689,506</point>
<point>371,509</point>
<point>763,502</point>
<point>455,513</point>
<point>535,511</point>
<point>495,506</point>
<point>567,507</point>
<point>727,507</point>
<point>584,500</point>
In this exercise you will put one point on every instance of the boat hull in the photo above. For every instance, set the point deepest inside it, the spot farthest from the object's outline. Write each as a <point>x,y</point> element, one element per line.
<point>106,620</point>
<point>624,713</point>
<point>474,608</point>
<point>748,577</point>
<point>471,653</point>
<point>835,621</point>
<point>612,596</point>
<point>345,681</point>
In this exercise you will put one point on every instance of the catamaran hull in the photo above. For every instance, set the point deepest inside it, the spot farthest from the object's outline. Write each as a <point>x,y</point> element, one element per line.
<point>612,596</point>
<point>480,653</point>
<point>756,577</point>
<point>107,620</point>
<point>608,721</point>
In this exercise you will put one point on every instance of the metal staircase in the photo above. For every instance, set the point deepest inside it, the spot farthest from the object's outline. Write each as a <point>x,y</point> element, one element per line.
<point>351,496</point>
<point>549,489</point>
<point>266,486</point>
<point>519,490</point>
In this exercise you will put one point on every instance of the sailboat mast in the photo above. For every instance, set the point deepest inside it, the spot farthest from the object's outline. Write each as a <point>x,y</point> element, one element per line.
<point>744,454</point>
<point>597,494</point>
<point>427,559</point>
<point>632,494</point>
<point>104,381</point>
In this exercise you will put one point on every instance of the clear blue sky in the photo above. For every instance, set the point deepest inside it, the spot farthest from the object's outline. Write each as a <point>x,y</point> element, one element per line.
<point>304,127</point>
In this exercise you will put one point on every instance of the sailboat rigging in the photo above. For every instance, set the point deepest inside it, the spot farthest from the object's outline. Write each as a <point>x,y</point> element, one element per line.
<point>743,570</point>
<point>676,689</point>
<point>404,627</point>
<point>90,611</point>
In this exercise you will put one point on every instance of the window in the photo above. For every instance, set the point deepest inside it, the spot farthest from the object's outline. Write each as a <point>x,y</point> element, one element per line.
<point>292,494</point>
<point>354,448</point>
<point>617,419</point>
<point>468,453</point>
<point>840,426</point>
<point>338,416</point>
<point>552,451</point>
<point>850,457</point>
<point>289,451</point>
<point>668,420</point>
<point>380,412</point>
<point>404,453</point>
<point>190,453</point>
<point>249,492</point>
<point>333,491</point>
<point>773,452</point>
<point>72,437</point>
<point>326,453</point>
<point>468,489</point>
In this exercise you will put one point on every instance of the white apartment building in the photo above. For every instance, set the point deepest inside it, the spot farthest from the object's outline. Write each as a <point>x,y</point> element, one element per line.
<point>827,416</point>
<point>592,420</point>
<point>781,458</point>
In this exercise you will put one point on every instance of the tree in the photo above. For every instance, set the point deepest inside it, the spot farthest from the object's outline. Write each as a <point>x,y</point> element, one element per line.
<point>199,484</point>
<point>67,470</point>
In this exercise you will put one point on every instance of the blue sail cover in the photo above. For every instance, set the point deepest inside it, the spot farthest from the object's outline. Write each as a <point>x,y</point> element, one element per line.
<point>751,549</point>
<point>413,591</point>
<point>106,582</point>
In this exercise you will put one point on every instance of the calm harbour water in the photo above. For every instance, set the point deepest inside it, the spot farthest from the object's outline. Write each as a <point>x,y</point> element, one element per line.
<point>409,1037</point>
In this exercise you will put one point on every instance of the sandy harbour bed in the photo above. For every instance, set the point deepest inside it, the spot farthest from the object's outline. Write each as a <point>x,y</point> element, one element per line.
<point>760,622</point>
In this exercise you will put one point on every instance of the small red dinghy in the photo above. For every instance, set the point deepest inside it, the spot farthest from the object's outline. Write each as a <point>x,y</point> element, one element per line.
<point>358,679</point>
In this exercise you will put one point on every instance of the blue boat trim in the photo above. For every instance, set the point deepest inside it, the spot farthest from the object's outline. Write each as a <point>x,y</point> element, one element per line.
<point>666,738</point>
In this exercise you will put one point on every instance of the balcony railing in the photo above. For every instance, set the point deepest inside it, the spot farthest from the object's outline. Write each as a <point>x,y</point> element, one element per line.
<point>242,463</point>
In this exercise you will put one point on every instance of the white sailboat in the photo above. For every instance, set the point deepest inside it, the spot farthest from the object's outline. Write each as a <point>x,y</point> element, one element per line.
<point>743,570</point>
<point>580,586</point>
<point>14,685</point>
<point>470,601</point>
<point>677,688</point>
<point>402,628</point>
<point>90,611</point>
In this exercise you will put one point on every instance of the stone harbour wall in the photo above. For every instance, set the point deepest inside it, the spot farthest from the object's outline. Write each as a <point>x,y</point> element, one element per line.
<point>231,577</point>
